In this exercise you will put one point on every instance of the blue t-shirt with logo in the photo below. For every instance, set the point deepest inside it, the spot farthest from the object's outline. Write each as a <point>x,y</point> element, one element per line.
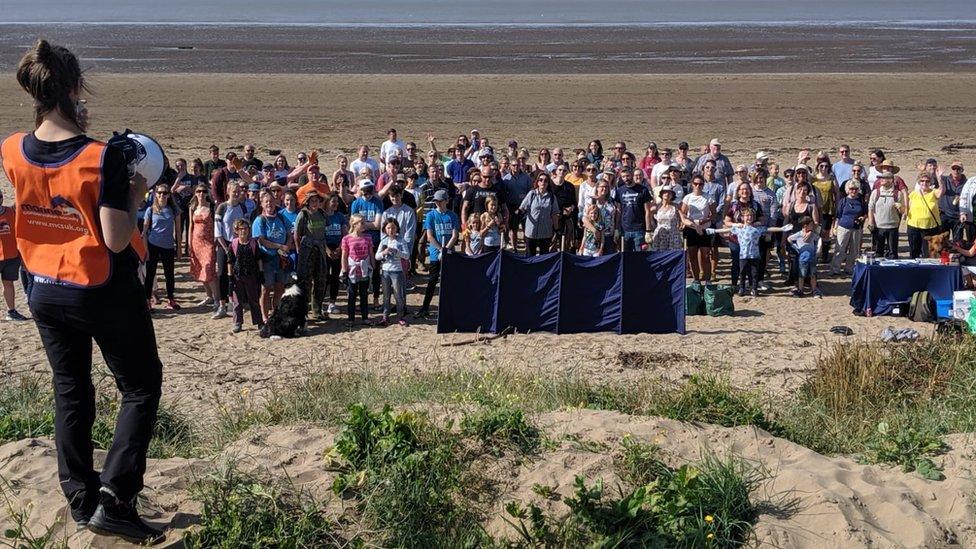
<point>333,229</point>
<point>161,226</point>
<point>369,209</point>
<point>443,225</point>
<point>275,229</point>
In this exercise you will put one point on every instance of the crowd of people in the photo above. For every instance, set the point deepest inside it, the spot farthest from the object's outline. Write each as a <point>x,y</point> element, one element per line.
<point>373,224</point>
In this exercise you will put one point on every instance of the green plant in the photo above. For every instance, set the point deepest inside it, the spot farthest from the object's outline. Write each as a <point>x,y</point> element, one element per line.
<point>638,463</point>
<point>493,424</point>
<point>907,447</point>
<point>26,409</point>
<point>252,510</point>
<point>18,535</point>
<point>696,505</point>
<point>404,471</point>
<point>545,491</point>
<point>707,398</point>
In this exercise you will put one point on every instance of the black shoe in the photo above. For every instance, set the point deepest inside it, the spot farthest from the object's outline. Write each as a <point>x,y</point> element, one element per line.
<point>82,507</point>
<point>119,519</point>
<point>422,313</point>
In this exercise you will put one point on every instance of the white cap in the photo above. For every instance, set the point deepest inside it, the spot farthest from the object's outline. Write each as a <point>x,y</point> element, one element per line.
<point>715,141</point>
<point>762,155</point>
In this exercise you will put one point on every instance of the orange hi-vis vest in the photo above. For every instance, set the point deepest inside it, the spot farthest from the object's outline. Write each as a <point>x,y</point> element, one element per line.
<point>57,228</point>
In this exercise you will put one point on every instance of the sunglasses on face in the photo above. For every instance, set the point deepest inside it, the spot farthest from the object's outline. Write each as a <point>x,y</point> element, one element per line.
<point>200,192</point>
<point>590,170</point>
<point>957,168</point>
<point>162,192</point>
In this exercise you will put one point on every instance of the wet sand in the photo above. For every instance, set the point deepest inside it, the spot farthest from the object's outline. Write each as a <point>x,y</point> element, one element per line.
<point>660,48</point>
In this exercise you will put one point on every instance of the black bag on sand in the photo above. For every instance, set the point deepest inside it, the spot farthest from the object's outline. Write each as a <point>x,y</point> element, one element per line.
<point>922,307</point>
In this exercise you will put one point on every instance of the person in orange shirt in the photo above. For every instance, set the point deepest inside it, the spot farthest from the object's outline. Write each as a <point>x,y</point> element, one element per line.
<point>9,260</point>
<point>75,228</point>
<point>316,181</point>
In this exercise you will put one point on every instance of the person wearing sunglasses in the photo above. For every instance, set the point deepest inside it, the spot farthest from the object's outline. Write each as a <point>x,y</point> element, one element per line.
<point>201,211</point>
<point>161,230</point>
<point>950,203</point>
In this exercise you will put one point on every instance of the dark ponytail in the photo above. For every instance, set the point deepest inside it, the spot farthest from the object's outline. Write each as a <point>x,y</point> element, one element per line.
<point>50,74</point>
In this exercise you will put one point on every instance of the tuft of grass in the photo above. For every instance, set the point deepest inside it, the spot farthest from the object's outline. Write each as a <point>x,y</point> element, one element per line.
<point>26,409</point>
<point>706,398</point>
<point>706,504</point>
<point>251,510</point>
<point>503,425</point>
<point>908,447</point>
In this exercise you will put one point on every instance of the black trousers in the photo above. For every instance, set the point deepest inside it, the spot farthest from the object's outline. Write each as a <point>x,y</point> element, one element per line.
<point>434,271</point>
<point>537,246</point>
<point>333,266</point>
<point>123,331</point>
<point>166,256</point>
<point>360,290</point>
<point>916,241</point>
<point>886,243</point>
<point>748,272</point>
<point>223,273</point>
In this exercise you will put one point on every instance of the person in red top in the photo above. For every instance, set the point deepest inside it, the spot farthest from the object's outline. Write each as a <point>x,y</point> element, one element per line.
<point>77,200</point>
<point>9,260</point>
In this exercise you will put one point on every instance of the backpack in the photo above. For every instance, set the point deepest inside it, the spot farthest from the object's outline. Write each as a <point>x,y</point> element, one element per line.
<point>922,307</point>
<point>245,259</point>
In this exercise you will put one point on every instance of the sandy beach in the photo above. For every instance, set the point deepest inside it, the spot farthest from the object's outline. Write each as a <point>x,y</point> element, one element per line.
<point>770,344</point>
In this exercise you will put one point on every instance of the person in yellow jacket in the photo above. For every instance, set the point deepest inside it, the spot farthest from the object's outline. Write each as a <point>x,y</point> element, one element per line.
<point>923,215</point>
<point>75,229</point>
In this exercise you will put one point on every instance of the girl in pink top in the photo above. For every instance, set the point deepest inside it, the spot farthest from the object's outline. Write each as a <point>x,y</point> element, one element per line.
<point>357,264</point>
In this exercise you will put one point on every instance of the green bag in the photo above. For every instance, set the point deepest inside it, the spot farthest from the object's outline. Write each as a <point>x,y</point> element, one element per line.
<point>971,319</point>
<point>718,300</point>
<point>694,300</point>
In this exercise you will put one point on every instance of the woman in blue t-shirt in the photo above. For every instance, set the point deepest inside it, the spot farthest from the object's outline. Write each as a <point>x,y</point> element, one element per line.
<point>274,235</point>
<point>849,227</point>
<point>162,230</point>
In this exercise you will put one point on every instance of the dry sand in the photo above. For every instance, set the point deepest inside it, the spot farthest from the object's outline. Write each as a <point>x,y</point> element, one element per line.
<point>770,344</point>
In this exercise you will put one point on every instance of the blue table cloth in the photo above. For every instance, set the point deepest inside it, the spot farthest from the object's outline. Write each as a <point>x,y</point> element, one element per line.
<point>876,288</point>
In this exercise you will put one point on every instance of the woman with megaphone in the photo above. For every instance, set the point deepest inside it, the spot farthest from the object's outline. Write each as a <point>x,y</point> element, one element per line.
<point>76,203</point>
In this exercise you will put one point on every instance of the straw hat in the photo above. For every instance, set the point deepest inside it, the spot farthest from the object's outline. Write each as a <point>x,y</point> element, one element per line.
<point>888,166</point>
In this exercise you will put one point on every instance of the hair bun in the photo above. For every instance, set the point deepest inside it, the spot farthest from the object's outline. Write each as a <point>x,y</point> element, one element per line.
<point>43,50</point>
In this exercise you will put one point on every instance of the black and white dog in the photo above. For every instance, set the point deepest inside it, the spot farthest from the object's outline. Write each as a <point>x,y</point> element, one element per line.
<point>288,318</point>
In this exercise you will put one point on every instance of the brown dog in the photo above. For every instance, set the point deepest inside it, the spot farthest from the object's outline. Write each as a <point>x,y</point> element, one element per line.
<point>938,243</point>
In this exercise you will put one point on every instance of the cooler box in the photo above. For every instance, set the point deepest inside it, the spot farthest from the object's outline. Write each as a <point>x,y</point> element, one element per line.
<point>942,307</point>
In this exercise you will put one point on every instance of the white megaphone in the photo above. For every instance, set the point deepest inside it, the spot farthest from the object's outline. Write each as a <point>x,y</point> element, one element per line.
<point>149,160</point>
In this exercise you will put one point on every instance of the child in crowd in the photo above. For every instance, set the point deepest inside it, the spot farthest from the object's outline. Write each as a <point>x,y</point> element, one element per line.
<point>493,226</point>
<point>805,242</point>
<point>393,252</point>
<point>245,271</point>
<point>593,232</point>
<point>748,236</point>
<point>357,264</point>
<point>473,239</point>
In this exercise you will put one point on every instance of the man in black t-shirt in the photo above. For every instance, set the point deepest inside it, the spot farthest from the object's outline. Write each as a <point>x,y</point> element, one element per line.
<point>477,194</point>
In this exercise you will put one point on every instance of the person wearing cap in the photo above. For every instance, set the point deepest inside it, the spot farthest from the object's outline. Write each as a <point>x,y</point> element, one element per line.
<point>310,236</point>
<point>886,207</point>
<point>442,227</point>
<point>848,228</point>
<point>684,164</point>
<point>842,168</point>
<point>316,182</point>
<point>364,161</point>
<point>370,207</point>
<point>391,147</point>
<point>650,158</point>
<point>955,205</point>
<point>393,167</point>
<point>723,169</point>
